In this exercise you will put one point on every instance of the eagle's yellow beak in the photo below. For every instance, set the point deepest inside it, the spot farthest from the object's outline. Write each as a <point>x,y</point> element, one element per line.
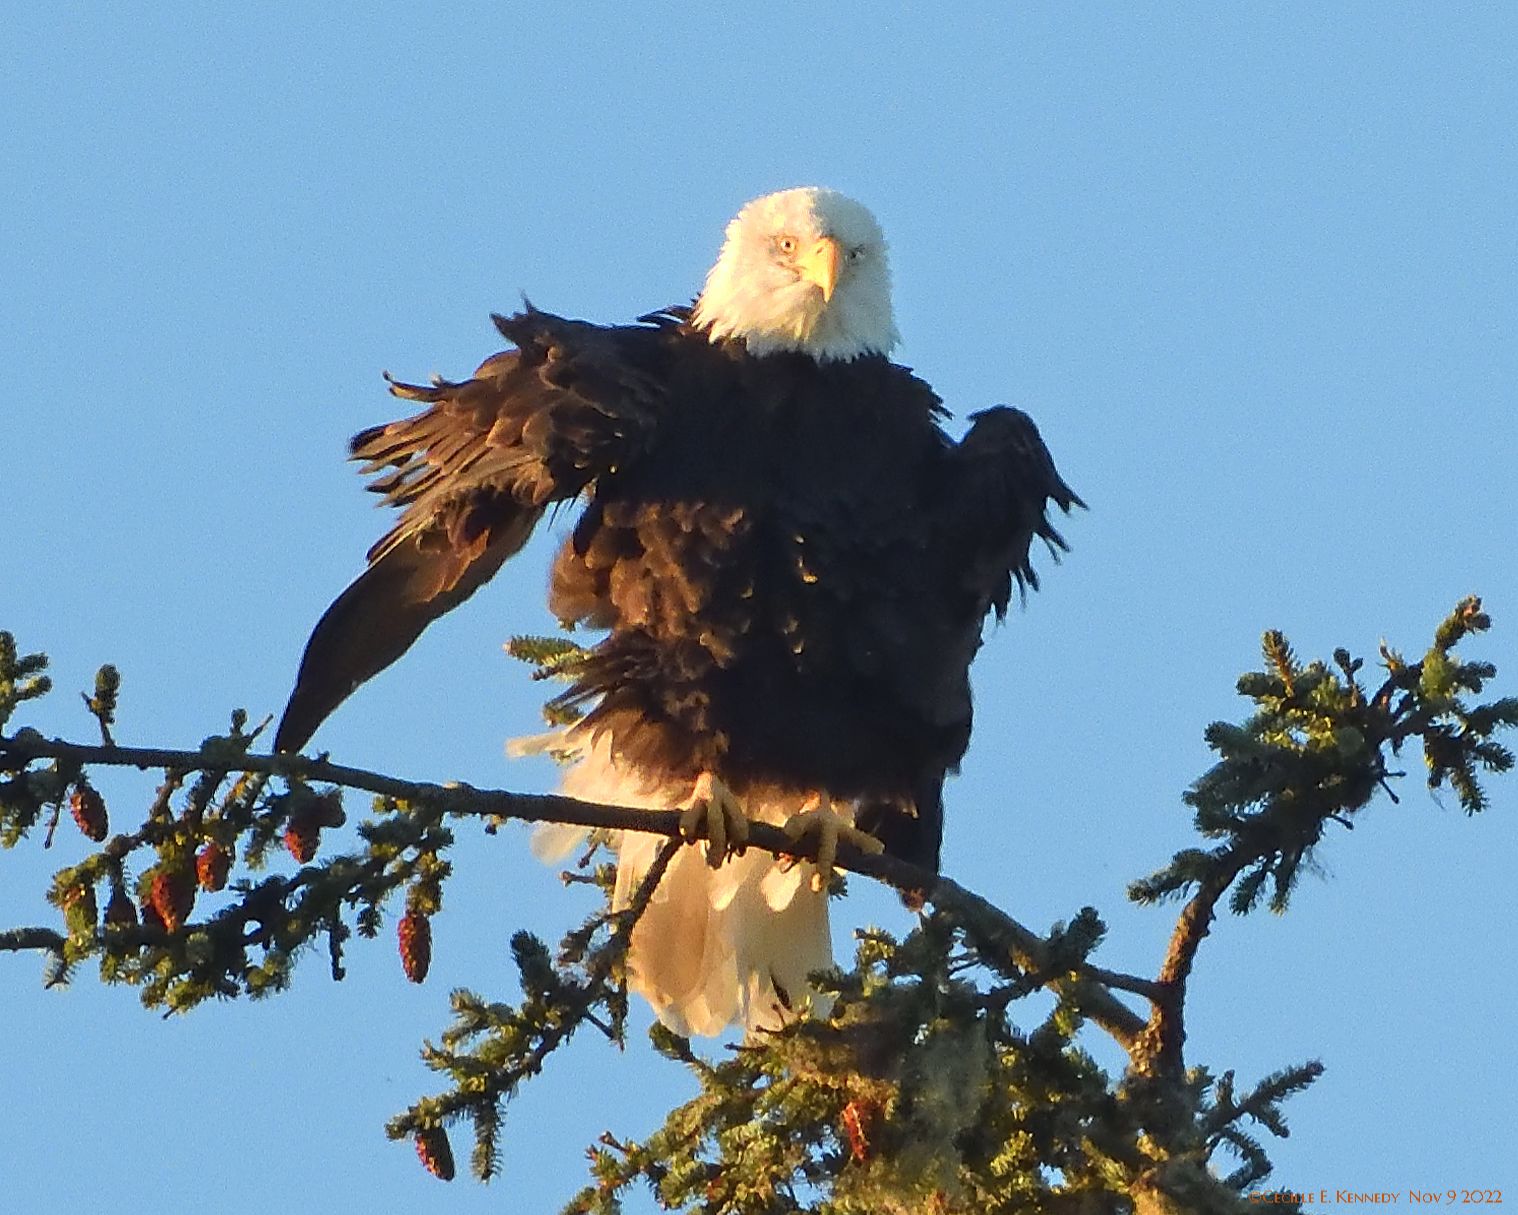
<point>820,265</point>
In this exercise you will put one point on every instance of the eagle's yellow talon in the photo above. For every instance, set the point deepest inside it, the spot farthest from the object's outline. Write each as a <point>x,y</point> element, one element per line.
<point>818,818</point>
<point>713,813</point>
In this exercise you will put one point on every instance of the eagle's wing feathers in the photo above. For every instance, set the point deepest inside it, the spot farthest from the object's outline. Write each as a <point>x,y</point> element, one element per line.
<point>994,500</point>
<point>472,474</point>
<point>1005,482</point>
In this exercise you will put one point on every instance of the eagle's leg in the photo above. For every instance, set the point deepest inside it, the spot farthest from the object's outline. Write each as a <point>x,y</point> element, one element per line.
<point>713,812</point>
<point>818,818</point>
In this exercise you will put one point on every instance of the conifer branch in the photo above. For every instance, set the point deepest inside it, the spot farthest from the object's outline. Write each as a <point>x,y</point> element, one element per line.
<point>996,934</point>
<point>518,1041</point>
<point>605,960</point>
<point>1159,1051</point>
<point>853,1102</point>
<point>1313,753</point>
<point>22,940</point>
<point>992,928</point>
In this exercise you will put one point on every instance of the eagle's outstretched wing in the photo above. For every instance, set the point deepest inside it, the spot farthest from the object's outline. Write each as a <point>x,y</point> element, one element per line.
<point>472,475</point>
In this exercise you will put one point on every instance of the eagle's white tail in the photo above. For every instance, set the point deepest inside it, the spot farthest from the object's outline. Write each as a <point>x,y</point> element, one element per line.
<point>714,947</point>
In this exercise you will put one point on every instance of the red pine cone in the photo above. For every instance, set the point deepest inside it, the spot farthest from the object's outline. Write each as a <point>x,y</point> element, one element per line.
<point>859,1119</point>
<point>415,935</point>
<point>302,835</point>
<point>88,809</point>
<point>212,864</point>
<point>435,1152</point>
<point>172,896</point>
<point>119,910</point>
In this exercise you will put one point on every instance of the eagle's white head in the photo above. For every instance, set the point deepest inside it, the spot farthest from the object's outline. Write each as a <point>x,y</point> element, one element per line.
<point>802,270</point>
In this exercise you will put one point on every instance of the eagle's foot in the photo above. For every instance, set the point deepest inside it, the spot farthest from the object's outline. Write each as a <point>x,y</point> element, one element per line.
<point>714,814</point>
<point>818,818</point>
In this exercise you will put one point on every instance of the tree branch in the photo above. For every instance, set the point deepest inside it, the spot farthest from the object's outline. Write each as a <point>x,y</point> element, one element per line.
<point>16,940</point>
<point>1159,1050</point>
<point>994,931</point>
<point>600,970</point>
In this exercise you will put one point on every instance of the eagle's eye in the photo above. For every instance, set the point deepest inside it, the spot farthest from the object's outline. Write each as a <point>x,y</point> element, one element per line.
<point>786,244</point>
<point>856,254</point>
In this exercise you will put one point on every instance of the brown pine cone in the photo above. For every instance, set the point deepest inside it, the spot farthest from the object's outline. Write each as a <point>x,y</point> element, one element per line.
<point>859,1119</point>
<point>302,835</point>
<point>415,935</point>
<point>212,863</point>
<point>435,1152</point>
<point>172,896</point>
<point>88,809</point>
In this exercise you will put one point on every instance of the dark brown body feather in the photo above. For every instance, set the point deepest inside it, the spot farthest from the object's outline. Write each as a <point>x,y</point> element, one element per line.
<point>793,560</point>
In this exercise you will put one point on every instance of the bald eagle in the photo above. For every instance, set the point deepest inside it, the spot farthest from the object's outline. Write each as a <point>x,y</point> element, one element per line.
<point>789,559</point>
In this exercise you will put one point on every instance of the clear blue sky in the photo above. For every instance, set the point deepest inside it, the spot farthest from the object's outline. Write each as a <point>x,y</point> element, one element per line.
<point>1251,267</point>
